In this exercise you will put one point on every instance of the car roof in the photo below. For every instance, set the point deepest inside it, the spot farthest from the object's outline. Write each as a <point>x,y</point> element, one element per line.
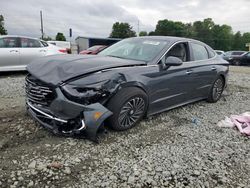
<point>98,45</point>
<point>57,41</point>
<point>169,38</point>
<point>237,51</point>
<point>1,36</point>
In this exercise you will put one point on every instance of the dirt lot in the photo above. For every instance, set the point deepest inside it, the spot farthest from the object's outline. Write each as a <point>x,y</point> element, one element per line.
<point>167,150</point>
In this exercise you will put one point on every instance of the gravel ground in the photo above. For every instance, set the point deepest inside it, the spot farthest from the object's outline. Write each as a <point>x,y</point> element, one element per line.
<point>166,150</point>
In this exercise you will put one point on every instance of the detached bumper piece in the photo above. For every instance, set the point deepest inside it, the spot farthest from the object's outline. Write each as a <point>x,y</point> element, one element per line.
<point>87,124</point>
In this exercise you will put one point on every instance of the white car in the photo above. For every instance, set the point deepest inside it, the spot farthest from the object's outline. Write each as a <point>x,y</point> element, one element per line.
<point>16,52</point>
<point>62,44</point>
<point>220,53</point>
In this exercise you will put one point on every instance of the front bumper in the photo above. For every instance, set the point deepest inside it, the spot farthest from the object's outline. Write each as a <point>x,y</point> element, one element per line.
<point>64,117</point>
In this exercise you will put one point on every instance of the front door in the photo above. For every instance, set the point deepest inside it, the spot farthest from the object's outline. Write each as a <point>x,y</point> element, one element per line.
<point>169,88</point>
<point>30,50</point>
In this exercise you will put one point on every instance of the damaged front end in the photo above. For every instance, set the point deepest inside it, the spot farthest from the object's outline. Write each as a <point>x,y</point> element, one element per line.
<point>75,107</point>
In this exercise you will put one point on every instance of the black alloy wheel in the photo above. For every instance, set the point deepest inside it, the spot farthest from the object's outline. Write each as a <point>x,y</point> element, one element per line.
<point>131,112</point>
<point>216,90</point>
<point>129,106</point>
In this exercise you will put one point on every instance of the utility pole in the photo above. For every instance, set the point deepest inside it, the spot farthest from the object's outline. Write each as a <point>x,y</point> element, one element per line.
<point>70,36</point>
<point>41,17</point>
<point>138,27</point>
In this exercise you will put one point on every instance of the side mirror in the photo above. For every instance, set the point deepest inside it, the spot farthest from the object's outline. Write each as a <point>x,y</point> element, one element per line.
<point>173,61</point>
<point>170,61</point>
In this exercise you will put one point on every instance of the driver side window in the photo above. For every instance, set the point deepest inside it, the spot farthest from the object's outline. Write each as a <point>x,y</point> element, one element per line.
<point>180,51</point>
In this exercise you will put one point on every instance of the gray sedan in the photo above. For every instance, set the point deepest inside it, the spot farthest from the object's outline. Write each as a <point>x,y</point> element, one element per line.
<point>127,81</point>
<point>17,52</point>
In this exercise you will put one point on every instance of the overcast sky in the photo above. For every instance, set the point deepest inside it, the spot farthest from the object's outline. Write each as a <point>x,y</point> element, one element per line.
<point>96,17</point>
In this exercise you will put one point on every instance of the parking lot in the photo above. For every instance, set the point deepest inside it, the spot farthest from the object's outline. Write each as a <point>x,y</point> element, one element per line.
<point>168,150</point>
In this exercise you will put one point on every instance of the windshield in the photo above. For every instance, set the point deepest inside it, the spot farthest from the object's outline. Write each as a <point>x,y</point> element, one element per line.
<point>140,49</point>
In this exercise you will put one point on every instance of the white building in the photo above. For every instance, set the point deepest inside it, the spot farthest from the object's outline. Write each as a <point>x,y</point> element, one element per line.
<point>84,43</point>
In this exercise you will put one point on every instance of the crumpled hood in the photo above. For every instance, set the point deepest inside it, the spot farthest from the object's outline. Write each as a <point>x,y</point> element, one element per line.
<point>60,68</point>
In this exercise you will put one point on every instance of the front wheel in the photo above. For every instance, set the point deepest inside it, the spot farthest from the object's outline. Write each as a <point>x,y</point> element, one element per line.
<point>216,90</point>
<point>129,106</point>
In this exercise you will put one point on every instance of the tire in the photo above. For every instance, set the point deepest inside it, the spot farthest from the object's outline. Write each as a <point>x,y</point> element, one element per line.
<point>129,106</point>
<point>216,90</point>
<point>237,63</point>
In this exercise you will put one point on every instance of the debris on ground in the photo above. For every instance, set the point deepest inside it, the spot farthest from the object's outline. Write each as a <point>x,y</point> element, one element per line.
<point>165,150</point>
<point>242,122</point>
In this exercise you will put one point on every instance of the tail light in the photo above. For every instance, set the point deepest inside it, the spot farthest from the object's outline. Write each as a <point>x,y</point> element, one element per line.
<point>63,51</point>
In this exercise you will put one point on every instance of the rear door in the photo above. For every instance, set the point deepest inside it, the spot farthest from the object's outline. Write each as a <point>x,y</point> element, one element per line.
<point>9,52</point>
<point>202,70</point>
<point>30,49</point>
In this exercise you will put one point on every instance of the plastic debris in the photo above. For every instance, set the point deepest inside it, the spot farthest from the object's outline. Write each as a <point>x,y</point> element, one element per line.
<point>242,122</point>
<point>195,121</point>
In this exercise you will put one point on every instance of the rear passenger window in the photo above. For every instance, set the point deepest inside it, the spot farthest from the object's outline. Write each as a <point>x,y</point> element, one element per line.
<point>211,53</point>
<point>199,52</point>
<point>8,42</point>
<point>30,43</point>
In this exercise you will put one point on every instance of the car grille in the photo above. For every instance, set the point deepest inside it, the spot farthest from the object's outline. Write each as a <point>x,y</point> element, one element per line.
<point>38,92</point>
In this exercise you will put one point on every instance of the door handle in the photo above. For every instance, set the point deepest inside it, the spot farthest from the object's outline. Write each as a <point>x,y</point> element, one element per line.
<point>13,50</point>
<point>189,71</point>
<point>42,51</point>
<point>213,68</point>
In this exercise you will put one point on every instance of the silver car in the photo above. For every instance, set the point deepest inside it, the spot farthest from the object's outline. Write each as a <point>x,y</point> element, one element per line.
<point>16,52</point>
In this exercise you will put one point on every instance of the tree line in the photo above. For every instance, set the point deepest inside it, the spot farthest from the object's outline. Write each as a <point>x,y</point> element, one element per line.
<point>219,37</point>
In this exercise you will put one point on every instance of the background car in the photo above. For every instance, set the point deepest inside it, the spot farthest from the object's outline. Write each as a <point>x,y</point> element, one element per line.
<point>243,59</point>
<point>220,53</point>
<point>16,52</point>
<point>93,50</point>
<point>232,54</point>
<point>62,44</point>
<point>127,81</point>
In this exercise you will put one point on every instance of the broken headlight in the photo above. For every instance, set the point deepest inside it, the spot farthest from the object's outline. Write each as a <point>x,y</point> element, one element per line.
<point>85,94</point>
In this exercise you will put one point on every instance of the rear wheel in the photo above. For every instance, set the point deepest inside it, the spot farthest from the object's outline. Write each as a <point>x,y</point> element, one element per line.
<point>216,90</point>
<point>129,106</point>
<point>237,62</point>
